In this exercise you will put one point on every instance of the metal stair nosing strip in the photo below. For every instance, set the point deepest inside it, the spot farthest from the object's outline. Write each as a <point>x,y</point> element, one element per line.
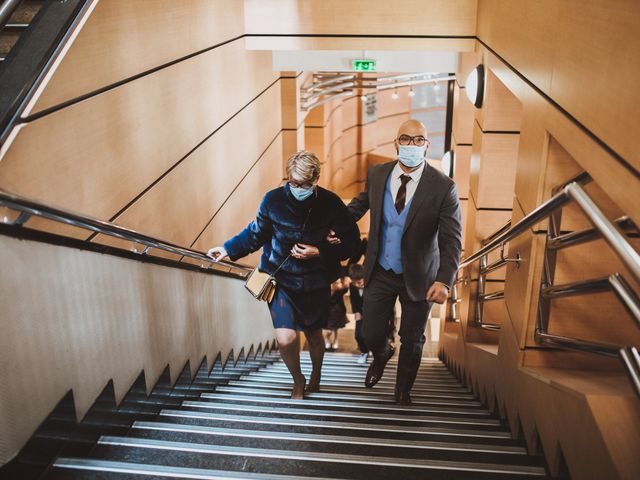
<point>382,384</point>
<point>331,424</point>
<point>343,405</point>
<point>111,466</point>
<point>417,399</point>
<point>330,387</point>
<point>320,456</point>
<point>350,379</point>
<point>324,438</point>
<point>346,414</point>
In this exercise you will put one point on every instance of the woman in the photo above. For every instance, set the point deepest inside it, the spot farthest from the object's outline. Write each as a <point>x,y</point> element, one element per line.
<point>291,227</point>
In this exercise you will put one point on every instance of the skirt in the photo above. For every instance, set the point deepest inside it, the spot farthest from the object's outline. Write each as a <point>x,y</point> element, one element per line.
<point>300,311</point>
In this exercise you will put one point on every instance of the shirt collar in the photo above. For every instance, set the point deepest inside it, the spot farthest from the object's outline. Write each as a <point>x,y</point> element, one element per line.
<point>415,175</point>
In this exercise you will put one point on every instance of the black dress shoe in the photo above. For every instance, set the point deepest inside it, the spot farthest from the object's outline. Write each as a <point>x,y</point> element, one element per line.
<point>403,398</point>
<point>376,369</point>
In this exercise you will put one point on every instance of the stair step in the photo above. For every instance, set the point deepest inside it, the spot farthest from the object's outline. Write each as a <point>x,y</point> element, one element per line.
<point>296,462</point>
<point>381,418</point>
<point>360,406</point>
<point>450,433</point>
<point>388,379</point>
<point>382,385</point>
<point>107,466</point>
<point>327,443</point>
<point>338,388</point>
<point>361,396</point>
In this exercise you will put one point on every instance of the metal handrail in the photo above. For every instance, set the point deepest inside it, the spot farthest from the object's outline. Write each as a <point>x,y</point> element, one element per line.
<point>602,228</point>
<point>28,208</point>
<point>6,10</point>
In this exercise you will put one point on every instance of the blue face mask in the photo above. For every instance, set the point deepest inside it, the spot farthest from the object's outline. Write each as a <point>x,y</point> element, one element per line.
<point>300,193</point>
<point>410,155</point>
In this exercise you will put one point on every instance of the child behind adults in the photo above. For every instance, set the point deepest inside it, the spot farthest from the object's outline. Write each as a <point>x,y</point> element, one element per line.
<point>356,292</point>
<point>337,312</point>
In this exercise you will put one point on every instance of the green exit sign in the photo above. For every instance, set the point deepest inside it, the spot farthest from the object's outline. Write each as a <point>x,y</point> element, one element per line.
<point>364,65</point>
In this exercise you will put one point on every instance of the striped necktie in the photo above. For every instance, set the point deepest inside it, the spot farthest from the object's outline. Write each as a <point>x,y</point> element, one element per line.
<point>402,193</point>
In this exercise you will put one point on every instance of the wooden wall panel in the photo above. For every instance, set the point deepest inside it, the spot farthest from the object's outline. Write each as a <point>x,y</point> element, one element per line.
<point>387,127</point>
<point>77,320</point>
<point>238,211</point>
<point>501,110</point>
<point>179,206</point>
<point>350,142</point>
<point>390,106</point>
<point>386,150</point>
<point>446,17</point>
<point>462,169</point>
<point>463,117</point>
<point>350,112</point>
<point>97,155</point>
<point>123,38</point>
<point>556,50</point>
<point>493,168</point>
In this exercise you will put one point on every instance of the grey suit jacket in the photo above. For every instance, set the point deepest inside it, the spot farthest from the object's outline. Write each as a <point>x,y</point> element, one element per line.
<point>431,241</point>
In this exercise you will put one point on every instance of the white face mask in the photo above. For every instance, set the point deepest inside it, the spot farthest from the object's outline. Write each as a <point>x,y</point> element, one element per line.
<point>300,193</point>
<point>410,155</point>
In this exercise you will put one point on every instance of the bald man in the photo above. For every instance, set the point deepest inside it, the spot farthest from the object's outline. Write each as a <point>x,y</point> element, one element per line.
<point>413,251</point>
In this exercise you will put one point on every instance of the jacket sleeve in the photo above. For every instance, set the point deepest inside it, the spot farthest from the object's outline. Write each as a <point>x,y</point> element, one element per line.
<point>346,229</point>
<point>359,205</point>
<point>253,237</point>
<point>449,237</point>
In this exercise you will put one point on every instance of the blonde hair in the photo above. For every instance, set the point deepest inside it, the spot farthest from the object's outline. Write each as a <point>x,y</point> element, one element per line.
<point>304,167</point>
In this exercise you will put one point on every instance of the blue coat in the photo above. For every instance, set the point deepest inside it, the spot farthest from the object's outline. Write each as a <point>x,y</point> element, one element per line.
<point>278,226</point>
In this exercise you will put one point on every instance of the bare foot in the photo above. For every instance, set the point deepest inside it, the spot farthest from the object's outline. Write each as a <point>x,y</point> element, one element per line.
<point>298,388</point>
<point>314,383</point>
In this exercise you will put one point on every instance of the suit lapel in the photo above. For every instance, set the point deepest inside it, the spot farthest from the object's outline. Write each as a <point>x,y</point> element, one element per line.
<point>378,189</point>
<point>421,193</point>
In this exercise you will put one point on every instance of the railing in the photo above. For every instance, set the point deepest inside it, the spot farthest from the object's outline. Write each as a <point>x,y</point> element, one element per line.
<point>7,7</point>
<point>29,208</point>
<point>614,233</point>
<point>34,58</point>
<point>326,87</point>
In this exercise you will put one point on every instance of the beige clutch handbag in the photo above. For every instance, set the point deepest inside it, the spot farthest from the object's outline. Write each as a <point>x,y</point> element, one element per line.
<point>261,285</point>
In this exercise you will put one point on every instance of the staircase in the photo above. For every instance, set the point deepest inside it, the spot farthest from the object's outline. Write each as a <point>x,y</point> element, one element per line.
<point>239,422</point>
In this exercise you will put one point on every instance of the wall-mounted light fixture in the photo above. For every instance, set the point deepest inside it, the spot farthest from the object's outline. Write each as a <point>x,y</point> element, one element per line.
<point>474,86</point>
<point>448,163</point>
<point>364,98</point>
<point>411,92</point>
<point>395,95</point>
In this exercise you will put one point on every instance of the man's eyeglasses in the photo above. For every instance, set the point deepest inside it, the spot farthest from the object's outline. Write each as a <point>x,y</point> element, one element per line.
<point>418,140</point>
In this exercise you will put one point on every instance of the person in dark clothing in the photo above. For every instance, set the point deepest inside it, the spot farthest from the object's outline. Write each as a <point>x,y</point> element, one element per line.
<point>356,294</point>
<point>290,227</point>
<point>413,251</point>
<point>337,313</point>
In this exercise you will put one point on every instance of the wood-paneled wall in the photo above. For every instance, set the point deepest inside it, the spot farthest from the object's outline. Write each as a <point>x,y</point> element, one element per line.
<point>171,128</point>
<point>74,320</point>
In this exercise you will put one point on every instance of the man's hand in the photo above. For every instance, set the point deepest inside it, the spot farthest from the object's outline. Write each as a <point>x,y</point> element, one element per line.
<point>217,253</point>
<point>437,292</point>
<point>302,251</point>
<point>332,238</point>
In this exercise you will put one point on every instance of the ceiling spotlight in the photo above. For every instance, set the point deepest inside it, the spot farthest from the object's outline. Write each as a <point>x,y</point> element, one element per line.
<point>411,92</point>
<point>395,95</point>
<point>364,98</point>
<point>436,87</point>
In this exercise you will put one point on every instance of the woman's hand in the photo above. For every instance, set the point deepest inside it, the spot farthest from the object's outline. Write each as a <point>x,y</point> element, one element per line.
<point>303,251</point>
<point>332,238</point>
<point>217,253</point>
